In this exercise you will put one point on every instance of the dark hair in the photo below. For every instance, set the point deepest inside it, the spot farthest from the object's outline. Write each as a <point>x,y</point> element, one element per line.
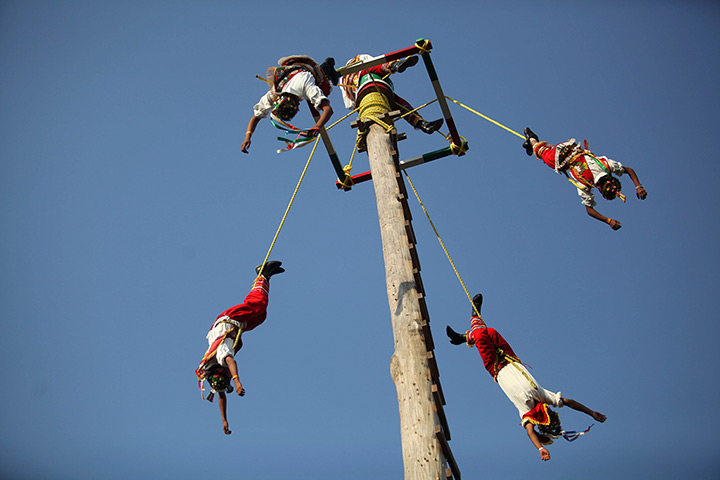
<point>609,187</point>
<point>218,377</point>
<point>286,107</point>
<point>553,428</point>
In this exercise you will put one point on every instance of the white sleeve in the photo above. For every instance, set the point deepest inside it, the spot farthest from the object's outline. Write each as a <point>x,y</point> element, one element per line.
<point>588,199</point>
<point>307,89</point>
<point>315,95</point>
<point>225,349</point>
<point>263,107</point>
<point>615,167</point>
<point>349,104</point>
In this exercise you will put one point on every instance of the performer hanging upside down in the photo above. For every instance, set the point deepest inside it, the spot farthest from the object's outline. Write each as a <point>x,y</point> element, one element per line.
<point>585,170</point>
<point>218,365</point>
<point>297,78</point>
<point>531,400</point>
<point>358,84</point>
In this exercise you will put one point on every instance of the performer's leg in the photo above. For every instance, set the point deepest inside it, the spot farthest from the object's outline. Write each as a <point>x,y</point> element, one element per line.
<point>582,408</point>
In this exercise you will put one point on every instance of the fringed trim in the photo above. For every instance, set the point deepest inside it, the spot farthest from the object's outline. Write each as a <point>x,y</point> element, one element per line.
<point>261,283</point>
<point>540,148</point>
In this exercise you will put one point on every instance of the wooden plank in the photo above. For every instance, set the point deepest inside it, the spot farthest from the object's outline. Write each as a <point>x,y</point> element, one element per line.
<point>424,310</point>
<point>406,210</point>
<point>334,159</point>
<point>379,60</point>
<point>440,392</point>
<point>414,257</point>
<point>447,452</point>
<point>418,283</point>
<point>410,233</point>
<point>440,410</point>
<point>385,117</point>
<point>427,334</point>
<point>432,365</point>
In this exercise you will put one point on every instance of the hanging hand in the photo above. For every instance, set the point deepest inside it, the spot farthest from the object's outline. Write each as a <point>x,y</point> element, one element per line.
<point>311,132</point>
<point>640,192</point>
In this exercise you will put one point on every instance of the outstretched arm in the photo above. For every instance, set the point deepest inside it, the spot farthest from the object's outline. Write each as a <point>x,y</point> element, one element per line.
<point>569,402</point>
<point>614,224</point>
<point>248,134</point>
<point>639,189</point>
<point>530,429</point>
<point>222,402</point>
<point>325,114</point>
<point>232,366</point>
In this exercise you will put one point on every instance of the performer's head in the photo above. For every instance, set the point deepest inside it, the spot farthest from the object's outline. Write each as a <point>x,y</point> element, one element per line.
<point>219,379</point>
<point>551,430</point>
<point>477,301</point>
<point>609,187</point>
<point>286,106</point>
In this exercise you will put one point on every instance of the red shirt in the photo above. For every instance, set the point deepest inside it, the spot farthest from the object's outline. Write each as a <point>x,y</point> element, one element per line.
<point>488,341</point>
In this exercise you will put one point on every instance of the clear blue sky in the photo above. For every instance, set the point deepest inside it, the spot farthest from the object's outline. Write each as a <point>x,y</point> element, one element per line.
<point>131,219</point>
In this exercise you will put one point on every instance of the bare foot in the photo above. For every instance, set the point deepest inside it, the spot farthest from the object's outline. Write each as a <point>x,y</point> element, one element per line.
<point>599,417</point>
<point>226,428</point>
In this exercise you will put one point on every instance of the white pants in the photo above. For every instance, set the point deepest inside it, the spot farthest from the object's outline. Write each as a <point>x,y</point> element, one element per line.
<point>514,379</point>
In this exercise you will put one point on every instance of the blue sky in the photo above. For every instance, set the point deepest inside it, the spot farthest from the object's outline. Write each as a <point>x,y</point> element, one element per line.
<point>132,220</point>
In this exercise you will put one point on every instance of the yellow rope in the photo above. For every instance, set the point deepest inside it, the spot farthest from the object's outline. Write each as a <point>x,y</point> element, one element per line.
<point>486,118</point>
<point>442,244</point>
<point>415,109</point>
<point>422,44</point>
<point>343,118</point>
<point>373,105</point>
<point>292,199</point>
<point>510,358</point>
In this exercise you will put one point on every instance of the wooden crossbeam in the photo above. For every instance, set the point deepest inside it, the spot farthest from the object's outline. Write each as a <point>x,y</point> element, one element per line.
<point>379,60</point>
<point>344,181</point>
<point>443,103</point>
<point>411,162</point>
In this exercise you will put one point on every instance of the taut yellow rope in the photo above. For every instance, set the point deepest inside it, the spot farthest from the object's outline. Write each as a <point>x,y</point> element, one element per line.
<point>442,244</point>
<point>287,210</point>
<point>486,118</point>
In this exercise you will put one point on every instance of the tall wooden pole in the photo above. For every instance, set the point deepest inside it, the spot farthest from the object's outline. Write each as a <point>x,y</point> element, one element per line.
<point>422,454</point>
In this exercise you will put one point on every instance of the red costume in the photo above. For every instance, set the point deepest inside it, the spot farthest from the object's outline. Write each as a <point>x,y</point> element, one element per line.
<point>493,348</point>
<point>356,85</point>
<point>231,323</point>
